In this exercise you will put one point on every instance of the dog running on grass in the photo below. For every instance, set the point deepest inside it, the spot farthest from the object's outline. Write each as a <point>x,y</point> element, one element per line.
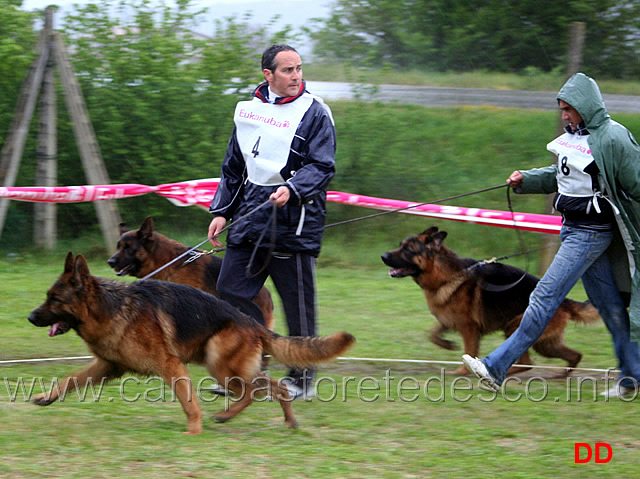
<point>156,327</point>
<point>142,251</point>
<point>476,298</point>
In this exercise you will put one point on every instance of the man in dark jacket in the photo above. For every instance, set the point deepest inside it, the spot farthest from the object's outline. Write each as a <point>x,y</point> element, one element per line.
<point>282,152</point>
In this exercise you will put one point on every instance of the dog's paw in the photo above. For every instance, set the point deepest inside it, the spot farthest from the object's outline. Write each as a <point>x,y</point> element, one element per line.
<point>450,345</point>
<point>193,431</point>
<point>221,417</point>
<point>291,423</point>
<point>42,399</point>
<point>445,343</point>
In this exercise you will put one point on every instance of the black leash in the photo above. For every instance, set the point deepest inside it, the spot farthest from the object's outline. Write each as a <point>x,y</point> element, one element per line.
<point>396,210</point>
<point>417,205</point>
<point>190,250</point>
<point>503,287</point>
<point>272,245</point>
<point>515,225</point>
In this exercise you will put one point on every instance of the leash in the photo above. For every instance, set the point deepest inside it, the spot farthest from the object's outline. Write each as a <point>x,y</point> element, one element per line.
<point>273,230</point>
<point>353,220</point>
<point>487,286</point>
<point>515,223</point>
<point>512,255</point>
<point>190,250</point>
<point>198,254</point>
<point>272,245</point>
<point>499,287</point>
<point>503,287</point>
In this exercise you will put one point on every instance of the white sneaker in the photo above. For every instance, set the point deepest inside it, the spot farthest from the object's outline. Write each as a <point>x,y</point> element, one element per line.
<point>478,368</point>
<point>618,391</point>
<point>295,391</point>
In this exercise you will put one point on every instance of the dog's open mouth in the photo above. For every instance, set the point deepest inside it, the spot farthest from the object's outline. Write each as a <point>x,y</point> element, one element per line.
<point>124,271</point>
<point>60,327</point>
<point>401,272</point>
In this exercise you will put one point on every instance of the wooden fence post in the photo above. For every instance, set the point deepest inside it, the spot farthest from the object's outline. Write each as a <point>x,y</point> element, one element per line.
<point>45,222</point>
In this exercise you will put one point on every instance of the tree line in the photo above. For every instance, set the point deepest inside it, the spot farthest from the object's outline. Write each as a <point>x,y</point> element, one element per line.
<point>159,95</point>
<point>495,35</point>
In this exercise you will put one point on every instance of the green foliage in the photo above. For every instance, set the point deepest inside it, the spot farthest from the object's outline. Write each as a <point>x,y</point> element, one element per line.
<point>499,35</point>
<point>17,42</point>
<point>160,95</point>
<point>142,85</point>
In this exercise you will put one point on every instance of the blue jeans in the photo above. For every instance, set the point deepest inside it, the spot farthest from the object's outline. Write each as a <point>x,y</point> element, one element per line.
<point>581,255</point>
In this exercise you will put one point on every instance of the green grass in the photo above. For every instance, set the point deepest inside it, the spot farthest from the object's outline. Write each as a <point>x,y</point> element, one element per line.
<point>464,433</point>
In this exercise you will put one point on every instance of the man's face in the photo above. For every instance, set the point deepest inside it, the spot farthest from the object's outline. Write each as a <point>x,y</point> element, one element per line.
<point>286,78</point>
<point>570,115</point>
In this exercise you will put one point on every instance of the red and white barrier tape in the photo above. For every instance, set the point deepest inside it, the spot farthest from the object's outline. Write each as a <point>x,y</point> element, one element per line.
<point>200,192</point>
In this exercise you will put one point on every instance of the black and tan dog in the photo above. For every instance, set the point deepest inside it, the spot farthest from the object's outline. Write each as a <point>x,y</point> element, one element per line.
<point>155,328</point>
<point>142,251</point>
<point>477,298</point>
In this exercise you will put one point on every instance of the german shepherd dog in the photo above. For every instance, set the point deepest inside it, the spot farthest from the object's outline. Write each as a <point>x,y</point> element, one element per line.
<point>477,298</point>
<point>155,328</point>
<point>142,251</point>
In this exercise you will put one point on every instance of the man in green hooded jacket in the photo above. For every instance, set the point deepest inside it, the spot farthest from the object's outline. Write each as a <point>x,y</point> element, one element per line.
<point>597,185</point>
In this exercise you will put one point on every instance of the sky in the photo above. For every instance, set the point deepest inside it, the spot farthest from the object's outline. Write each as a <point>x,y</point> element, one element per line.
<point>292,12</point>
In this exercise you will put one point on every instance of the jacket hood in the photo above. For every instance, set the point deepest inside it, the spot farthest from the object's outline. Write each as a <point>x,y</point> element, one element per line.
<point>583,94</point>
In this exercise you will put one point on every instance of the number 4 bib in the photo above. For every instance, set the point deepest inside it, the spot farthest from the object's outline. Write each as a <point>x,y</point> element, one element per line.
<point>264,132</point>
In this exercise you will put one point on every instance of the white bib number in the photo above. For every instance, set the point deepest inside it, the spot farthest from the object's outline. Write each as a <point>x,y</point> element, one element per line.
<point>574,156</point>
<point>264,132</point>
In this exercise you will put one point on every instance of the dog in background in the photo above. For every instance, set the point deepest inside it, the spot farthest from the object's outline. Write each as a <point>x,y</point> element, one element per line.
<point>476,298</point>
<point>142,251</point>
<point>156,327</point>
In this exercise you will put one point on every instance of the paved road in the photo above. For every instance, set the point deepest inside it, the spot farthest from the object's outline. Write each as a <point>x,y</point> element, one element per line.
<point>447,97</point>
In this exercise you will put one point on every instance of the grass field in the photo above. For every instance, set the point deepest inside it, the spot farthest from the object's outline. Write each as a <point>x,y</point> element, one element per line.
<point>370,425</point>
<point>371,418</point>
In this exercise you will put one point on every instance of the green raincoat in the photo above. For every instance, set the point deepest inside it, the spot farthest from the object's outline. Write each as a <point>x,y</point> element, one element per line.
<point>617,154</point>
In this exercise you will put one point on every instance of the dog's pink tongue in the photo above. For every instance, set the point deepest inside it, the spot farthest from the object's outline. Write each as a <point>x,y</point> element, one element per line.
<point>53,330</point>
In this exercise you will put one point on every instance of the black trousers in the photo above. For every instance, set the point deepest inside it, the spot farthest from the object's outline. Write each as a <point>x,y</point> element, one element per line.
<point>293,275</point>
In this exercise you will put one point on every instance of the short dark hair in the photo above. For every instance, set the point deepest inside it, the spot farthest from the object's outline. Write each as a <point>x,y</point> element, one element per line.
<point>269,55</point>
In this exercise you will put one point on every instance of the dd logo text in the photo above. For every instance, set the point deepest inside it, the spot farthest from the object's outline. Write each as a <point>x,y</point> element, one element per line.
<point>589,452</point>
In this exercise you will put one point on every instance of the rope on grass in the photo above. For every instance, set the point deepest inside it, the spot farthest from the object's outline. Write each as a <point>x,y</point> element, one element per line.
<point>41,360</point>
<point>385,360</point>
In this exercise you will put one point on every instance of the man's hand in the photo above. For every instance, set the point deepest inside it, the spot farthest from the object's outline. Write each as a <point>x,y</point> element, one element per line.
<point>515,180</point>
<point>281,196</point>
<point>215,227</point>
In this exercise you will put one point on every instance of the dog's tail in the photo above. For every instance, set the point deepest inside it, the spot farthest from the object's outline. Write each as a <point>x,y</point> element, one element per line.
<point>582,312</point>
<point>306,351</point>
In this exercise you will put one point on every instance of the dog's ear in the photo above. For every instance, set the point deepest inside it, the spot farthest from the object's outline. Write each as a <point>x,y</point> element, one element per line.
<point>81,270</point>
<point>430,231</point>
<point>68,262</point>
<point>438,238</point>
<point>123,228</point>
<point>146,230</point>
